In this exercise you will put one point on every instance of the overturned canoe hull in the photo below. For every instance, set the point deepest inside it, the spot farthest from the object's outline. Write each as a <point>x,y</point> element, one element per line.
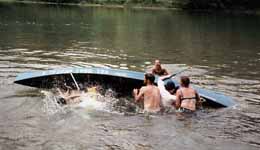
<point>122,81</point>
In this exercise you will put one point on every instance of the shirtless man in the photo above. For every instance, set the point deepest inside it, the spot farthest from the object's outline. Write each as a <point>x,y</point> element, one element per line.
<point>150,95</point>
<point>158,70</point>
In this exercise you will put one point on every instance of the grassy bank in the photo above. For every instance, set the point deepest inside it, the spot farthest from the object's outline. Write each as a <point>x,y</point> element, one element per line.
<point>226,6</point>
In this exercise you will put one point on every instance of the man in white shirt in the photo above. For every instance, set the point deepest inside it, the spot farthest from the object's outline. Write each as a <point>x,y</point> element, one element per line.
<point>167,91</point>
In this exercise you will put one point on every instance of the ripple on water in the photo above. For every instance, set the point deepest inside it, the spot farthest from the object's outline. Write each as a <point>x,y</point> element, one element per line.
<point>37,66</point>
<point>31,52</point>
<point>123,65</point>
<point>123,55</point>
<point>125,68</point>
<point>84,64</point>
<point>9,58</point>
<point>106,56</point>
<point>31,58</point>
<point>85,42</point>
<point>49,60</point>
<point>71,54</point>
<point>50,53</point>
<point>112,66</point>
<point>147,63</point>
<point>18,50</point>
<point>132,66</point>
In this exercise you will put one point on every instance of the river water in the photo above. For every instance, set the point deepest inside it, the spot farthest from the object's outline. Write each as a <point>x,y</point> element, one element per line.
<point>223,50</point>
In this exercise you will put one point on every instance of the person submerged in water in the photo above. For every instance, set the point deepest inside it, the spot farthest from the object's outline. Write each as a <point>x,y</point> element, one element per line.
<point>186,96</point>
<point>68,96</point>
<point>149,94</point>
<point>167,90</point>
<point>158,70</point>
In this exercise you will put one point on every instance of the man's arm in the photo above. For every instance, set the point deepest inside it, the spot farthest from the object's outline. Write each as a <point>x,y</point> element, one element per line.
<point>198,100</point>
<point>165,72</point>
<point>178,99</point>
<point>164,93</point>
<point>197,96</point>
<point>165,77</point>
<point>61,94</point>
<point>138,96</point>
<point>153,71</point>
<point>74,94</point>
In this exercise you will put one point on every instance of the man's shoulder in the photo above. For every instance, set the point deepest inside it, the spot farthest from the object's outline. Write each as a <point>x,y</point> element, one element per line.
<point>143,88</point>
<point>164,70</point>
<point>178,91</point>
<point>146,88</point>
<point>156,87</point>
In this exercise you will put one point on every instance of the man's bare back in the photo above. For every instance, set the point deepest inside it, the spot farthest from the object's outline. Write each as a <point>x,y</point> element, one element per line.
<point>152,98</point>
<point>150,94</point>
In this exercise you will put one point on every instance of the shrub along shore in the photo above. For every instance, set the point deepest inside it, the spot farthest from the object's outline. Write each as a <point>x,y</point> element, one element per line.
<point>227,6</point>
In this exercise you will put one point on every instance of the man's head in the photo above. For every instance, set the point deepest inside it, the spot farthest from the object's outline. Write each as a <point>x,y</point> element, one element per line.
<point>149,78</point>
<point>170,86</point>
<point>157,63</point>
<point>185,81</point>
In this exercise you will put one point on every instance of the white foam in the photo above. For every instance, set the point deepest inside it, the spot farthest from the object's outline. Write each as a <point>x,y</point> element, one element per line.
<point>50,104</point>
<point>90,101</point>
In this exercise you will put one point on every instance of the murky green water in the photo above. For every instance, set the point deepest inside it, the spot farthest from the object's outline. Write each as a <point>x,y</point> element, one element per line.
<point>223,50</point>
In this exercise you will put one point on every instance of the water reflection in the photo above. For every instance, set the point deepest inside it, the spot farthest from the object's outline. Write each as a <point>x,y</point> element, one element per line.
<point>229,43</point>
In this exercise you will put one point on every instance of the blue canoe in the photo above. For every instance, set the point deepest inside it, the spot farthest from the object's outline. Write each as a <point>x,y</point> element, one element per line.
<point>122,81</point>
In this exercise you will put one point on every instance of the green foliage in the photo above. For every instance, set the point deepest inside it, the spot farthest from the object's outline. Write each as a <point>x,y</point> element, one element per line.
<point>223,4</point>
<point>185,4</point>
<point>53,1</point>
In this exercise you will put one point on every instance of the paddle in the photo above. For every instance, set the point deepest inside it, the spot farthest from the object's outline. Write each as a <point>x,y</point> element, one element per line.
<point>174,74</point>
<point>74,81</point>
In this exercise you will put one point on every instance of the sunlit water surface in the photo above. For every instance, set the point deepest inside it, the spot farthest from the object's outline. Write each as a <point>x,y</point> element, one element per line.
<point>223,50</point>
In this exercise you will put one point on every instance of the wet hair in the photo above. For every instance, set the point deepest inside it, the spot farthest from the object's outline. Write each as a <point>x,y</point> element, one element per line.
<point>61,101</point>
<point>150,77</point>
<point>169,85</point>
<point>185,81</point>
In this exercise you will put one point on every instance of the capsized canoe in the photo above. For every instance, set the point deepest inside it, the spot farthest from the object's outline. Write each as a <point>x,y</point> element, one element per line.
<point>122,81</point>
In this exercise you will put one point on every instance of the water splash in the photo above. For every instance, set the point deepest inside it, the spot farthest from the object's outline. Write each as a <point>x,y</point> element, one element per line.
<point>89,102</point>
<point>108,102</point>
<point>51,105</point>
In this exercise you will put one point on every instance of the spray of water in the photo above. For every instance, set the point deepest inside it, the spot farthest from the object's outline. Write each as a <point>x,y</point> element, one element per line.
<point>91,101</point>
<point>50,103</point>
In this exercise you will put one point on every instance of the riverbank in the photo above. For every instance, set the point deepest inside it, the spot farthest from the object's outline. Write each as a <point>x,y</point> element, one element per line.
<point>125,5</point>
<point>107,5</point>
<point>151,5</point>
